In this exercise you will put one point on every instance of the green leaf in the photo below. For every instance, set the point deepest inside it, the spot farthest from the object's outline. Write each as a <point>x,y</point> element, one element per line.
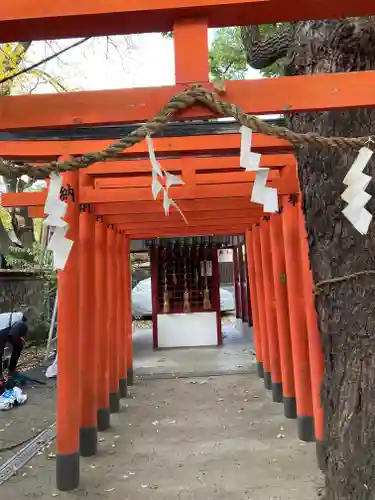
<point>283,279</point>
<point>227,57</point>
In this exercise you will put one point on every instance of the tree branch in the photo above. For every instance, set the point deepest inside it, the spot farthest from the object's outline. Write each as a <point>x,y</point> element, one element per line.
<point>45,60</point>
<point>263,51</point>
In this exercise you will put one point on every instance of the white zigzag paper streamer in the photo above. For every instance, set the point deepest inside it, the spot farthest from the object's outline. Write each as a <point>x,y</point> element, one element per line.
<point>355,195</point>
<point>55,209</point>
<point>250,161</point>
<point>160,177</point>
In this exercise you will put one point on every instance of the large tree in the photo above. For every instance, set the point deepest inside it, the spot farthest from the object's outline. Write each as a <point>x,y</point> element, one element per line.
<point>346,309</point>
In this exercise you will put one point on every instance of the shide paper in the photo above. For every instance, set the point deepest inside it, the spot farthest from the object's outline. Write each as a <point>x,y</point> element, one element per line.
<point>60,246</point>
<point>250,161</point>
<point>355,194</point>
<point>162,181</point>
<point>56,209</point>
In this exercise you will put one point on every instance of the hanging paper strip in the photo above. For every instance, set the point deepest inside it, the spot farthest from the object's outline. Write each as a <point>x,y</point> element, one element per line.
<point>162,181</point>
<point>56,209</point>
<point>250,161</point>
<point>355,194</point>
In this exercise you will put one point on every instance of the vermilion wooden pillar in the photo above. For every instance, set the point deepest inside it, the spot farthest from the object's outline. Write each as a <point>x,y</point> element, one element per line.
<point>112,332</point>
<point>236,282</point>
<point>87,334</point>
<point>254,302</point>
<point>69,379</point>
<point>261,306</point>
<point>102,331</point>
<point>216,292</point>
<point>300,352</point>
<point>315,344</point>
<point>282,315</point>
<point>243,284</point>
<point>248,298</point>
<point>122,251</point>
<point>270,310</point>
<point>154,294</point>
<point>129,314</point>
<point>190,33</point>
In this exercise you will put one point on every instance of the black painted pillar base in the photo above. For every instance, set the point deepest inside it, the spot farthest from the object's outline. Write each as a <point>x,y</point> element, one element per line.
<point>260,369</point>
<point>267,380</point>
<point>104,419</point>
<point>67,472</point>
<point>277,392</point>
<point>130,376</point>
<point>123,387</point>
<point>321,455</point>
<point>114,402</point>
<point>88,441</point>
<point>306,428</point>
<point>290,407</point>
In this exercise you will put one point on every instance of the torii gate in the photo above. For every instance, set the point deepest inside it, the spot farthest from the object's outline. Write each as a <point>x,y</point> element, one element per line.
<point>111,204</point>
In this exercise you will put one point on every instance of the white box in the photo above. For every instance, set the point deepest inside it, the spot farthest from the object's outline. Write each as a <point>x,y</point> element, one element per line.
<point>187,330</point>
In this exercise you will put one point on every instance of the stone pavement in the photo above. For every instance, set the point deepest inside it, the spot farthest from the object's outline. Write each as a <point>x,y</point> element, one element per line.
<point>197,437</point>
<point>217,437</point>
<point>236,355</point>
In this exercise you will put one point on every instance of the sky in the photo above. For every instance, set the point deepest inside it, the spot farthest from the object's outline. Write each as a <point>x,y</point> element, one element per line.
<point>120,62</point>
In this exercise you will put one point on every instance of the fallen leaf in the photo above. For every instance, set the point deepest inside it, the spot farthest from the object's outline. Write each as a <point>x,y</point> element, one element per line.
<point>109,490</point>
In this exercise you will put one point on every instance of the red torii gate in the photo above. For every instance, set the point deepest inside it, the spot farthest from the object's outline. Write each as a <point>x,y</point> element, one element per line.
<point>111,198</point>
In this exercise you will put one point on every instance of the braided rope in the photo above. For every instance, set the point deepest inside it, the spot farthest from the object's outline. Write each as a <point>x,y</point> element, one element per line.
<point>178,103</point>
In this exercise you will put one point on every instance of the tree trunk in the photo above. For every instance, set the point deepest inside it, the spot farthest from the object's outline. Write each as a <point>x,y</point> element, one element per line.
<point>346,310</point>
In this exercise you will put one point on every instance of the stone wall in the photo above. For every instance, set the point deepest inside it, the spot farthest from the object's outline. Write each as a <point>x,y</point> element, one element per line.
<point>22,291</point>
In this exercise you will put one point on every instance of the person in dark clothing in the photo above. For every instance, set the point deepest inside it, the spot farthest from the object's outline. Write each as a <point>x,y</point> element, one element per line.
<point>13,335</point>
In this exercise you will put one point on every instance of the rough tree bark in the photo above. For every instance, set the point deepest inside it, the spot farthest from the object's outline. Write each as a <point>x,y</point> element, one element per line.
<point>346,310</point>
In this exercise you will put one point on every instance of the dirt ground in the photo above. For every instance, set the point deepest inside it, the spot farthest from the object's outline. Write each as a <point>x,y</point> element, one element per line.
<point>26,421</point>
<point>185,439</point>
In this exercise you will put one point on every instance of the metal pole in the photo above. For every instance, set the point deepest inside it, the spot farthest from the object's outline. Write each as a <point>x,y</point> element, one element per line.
<point>51,329</point>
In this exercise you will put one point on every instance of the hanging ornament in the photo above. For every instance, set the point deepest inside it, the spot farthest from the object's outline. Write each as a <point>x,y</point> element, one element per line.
<point>196,264</point>
<point>174,277</point>
<point>186,306</point>
<point>161,177</point>
<point>250,161</point>
<point>166,307</point>
<point>56,209</point>
<point>355,194</point>
<point>206,294</point>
